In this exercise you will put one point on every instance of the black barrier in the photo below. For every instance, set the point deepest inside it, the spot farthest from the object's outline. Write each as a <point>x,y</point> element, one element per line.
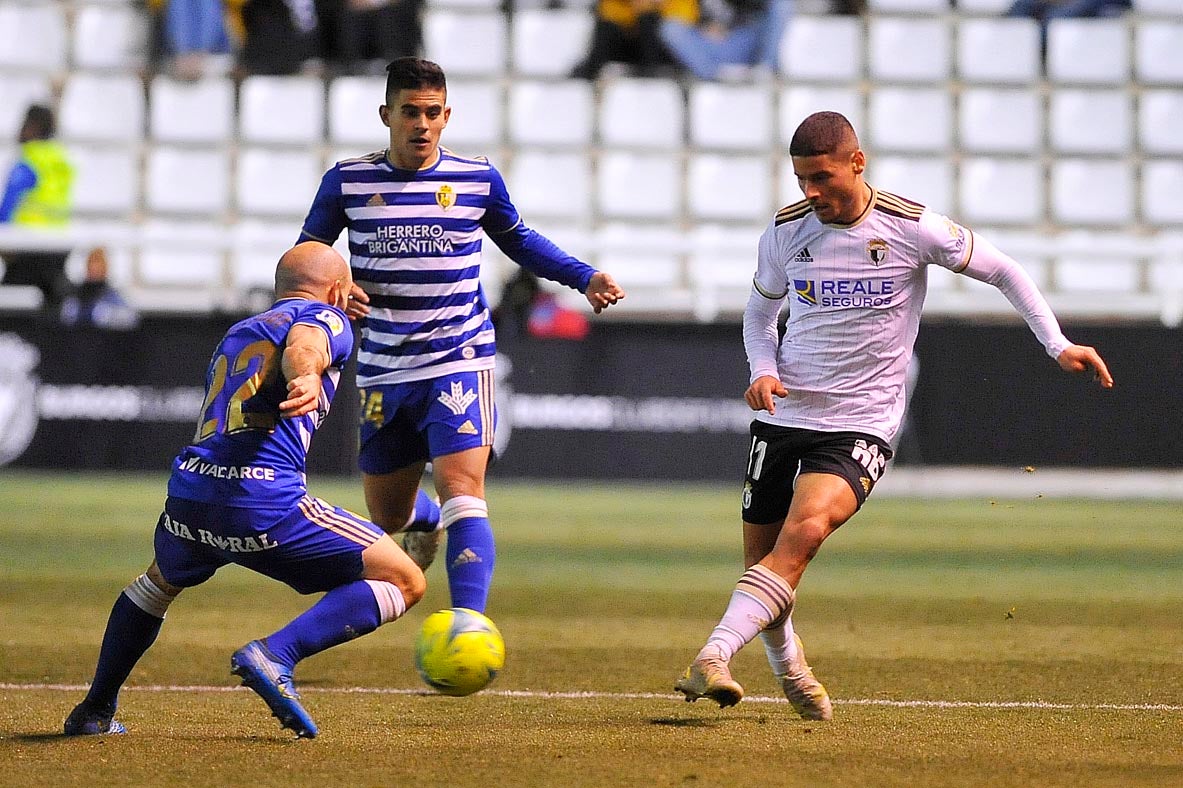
<point>632,401</point>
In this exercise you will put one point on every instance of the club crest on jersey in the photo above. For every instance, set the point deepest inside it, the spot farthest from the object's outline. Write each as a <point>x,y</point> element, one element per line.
<point>806,290</point>
<point>445,196</point>
<point>376,201</point>
<point>877,250</point>
<point>331,320</point>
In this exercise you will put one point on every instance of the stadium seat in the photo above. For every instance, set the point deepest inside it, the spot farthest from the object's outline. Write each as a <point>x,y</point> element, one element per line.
<point>353,113</point>
<point>1158,51</point>
<point>170,185</point>
<point>182,254</point>
<point>466,43</point>
<point>111,37</point>
<point>255,248</point>
<point>1000,120</point>
<point>800,101</point>
<point>840,60</point>
<point>271,182</point>
<point>984,7</point>
<point>551,113</point>
<point>102,108</point>
<point>641,255</point>
<point>910,119</point>
<point>729,188</point>
<point>476,123</point>
<point>1160,118</point>
<point>908,50</point>
<point>642,113</point>
<point>639,186</point>
<point>1090,121</point>
<point>106,179</point>
<point>908,6</point>
<point>715,109</point>
<point>1162,192</point>
<point>1088,51</point>
<point>1156,7</point>
<point>1097,273</point>
<point>188,111</point>
<point>1001,191</point>
<point>17,92</point>
<point>549,43</point>
<point>550,184</point>
<point>998,50</point>
<point>724,256</point>
<point>927,180</point>
<point>33,37</point>
<point>1092,192</point>
<point>283,110</point>
<point>788,191</point>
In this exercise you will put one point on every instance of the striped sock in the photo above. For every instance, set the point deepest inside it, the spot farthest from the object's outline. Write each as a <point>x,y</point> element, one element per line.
<point>761,599</point>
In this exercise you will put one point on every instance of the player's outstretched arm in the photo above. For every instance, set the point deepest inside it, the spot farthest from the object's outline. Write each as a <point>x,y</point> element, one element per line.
<point>759,395</point>
<point>1081,358</point>
<point>602,291</point>
<point>305,358</point>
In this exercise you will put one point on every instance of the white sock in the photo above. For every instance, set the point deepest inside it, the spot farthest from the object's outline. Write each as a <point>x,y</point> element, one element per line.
<point>148,596</point>
<point>761,597</point>
<point>390,600</point>
<point>781,648</point>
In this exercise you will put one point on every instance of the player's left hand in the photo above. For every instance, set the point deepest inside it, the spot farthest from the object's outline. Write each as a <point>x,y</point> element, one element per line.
<point>1081,358</point>
<point>358,304</point>
<point>603,292</point>
<point>303,395</point>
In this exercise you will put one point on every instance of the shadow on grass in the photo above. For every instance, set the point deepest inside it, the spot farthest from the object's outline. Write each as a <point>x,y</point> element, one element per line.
<point>684,722</point>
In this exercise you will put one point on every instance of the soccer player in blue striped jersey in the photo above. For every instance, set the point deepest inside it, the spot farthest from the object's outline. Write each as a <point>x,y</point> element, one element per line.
<point>237,494</point>
<point>416,215</point>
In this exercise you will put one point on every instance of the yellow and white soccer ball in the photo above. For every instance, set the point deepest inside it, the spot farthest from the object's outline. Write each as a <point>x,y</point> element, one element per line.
<point>459,651</point>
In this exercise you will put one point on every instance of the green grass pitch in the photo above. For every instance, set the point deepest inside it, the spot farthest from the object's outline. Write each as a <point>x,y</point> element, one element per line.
<point>1025,642</point>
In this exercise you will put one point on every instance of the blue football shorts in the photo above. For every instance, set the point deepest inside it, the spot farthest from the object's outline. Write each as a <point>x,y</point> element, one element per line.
<point>405,423</point>
<point>313,546</point>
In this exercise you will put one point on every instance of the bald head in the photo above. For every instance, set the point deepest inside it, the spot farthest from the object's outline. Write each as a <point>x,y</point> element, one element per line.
<point>824,134</point>
<point>312,270</point>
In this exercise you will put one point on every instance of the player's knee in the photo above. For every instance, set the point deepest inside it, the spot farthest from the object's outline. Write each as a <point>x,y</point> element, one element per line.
<point>414,585</point>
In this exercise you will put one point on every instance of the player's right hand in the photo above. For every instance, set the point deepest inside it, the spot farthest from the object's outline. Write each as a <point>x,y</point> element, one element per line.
<point>759,395</point>
<point>358,304</point>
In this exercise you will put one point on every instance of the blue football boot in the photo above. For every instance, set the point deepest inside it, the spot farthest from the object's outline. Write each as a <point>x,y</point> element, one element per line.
<point>272,681</point>
<point>87,720</point>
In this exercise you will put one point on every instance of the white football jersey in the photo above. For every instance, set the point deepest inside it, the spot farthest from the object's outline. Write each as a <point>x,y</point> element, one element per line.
<point>855,294</point>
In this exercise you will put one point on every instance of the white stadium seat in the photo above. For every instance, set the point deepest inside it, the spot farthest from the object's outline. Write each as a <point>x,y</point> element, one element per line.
<point>1162,192</point>
<point>1097,274</point>
<point>788,190</point>
<point>715,109</point>
<point>17,92</point>
<point>641,255</point>
<point>182,254</point>
<point>191,111</point>
<point>729,188</point>
<point>549,43</point>
<point>1158,51</point>
<point>476,123</point>
<point>1002,120</point>
<point>910,119</point>
<point>1088,51</point>
<point>108,108</point>
<point>186,180</point>
<point>1157,7</point>
<point>928,181</point>
<point>1090,121</point>
<point>466,43</point>
<point>255,248</point>
<point>551,113</point>
<point>800,101</point>
<point>33,37</point>
<point>1160,117</point>
<point>998,50</point>
<point>839,60</point>
<point>106,179</point>
<point>908,50</point>
<point>1092,192</point>
<point>1001,191</point>
<point>642,113</point>
<point>639,186</point>
<point>110,37</point>
<point>724,256</point>
<point>353,113</point>
<point>271,182</point>
<point>984,7</point>
<point>282,110</point>
<point>548,184</point>
<point>908,6</point>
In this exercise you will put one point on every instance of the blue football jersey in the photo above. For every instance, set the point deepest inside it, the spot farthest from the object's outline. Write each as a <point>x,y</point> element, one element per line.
<point>244,453</point>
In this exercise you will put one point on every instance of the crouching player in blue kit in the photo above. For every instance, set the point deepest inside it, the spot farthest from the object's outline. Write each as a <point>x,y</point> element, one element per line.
<point>237,495</point>
<point>416,214</point>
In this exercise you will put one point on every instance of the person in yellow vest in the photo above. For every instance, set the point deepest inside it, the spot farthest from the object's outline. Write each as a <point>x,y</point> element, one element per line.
<point>626,31</point>
<point>38,195</point>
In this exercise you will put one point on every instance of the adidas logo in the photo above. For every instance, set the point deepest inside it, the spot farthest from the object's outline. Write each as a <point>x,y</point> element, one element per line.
<point>466,429</point>
<point>375,202</point>
<point>466,557</point>
<point>803,256</point>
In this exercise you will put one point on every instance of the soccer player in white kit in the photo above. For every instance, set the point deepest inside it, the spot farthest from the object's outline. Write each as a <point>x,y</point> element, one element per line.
<point>829,397</point>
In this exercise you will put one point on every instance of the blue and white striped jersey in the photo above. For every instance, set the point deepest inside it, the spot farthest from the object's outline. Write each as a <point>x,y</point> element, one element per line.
<point>415,248</point>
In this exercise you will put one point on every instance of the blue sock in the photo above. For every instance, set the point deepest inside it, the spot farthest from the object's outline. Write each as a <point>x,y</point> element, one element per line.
<point>427,514</point>
<point>346,612</point>
<point>130,631</point>
<point>471,552</point>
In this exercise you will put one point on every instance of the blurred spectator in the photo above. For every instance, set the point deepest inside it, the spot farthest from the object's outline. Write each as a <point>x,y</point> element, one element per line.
<point>528,310</point>
<point>734,39</point>
<point>374,32</point>
<point>186,33</point>
<point>96,302</point>
<point>278,36</point>
<point>628,31</point>
<point>1044,11</point>
<point>37,195</point>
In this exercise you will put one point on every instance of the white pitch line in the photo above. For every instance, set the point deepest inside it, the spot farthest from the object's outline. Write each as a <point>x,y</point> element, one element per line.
<point>580,695</point>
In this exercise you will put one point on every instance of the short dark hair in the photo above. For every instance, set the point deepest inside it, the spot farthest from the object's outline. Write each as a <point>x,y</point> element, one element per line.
<point>822,134</point>
<point>38,124</point>
<point>412,73</point>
